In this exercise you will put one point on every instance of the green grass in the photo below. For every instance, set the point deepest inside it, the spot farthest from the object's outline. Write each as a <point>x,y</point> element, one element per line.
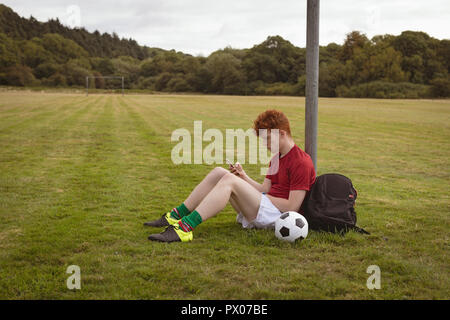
<point>79,175</point>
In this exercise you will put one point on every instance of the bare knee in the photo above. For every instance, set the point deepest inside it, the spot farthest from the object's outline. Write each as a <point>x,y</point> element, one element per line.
<point>228,178</point>
<point>216,174</point>
<point>219,172</point>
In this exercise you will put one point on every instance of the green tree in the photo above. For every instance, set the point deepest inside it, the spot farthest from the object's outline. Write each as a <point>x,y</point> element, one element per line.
<point>274,60</point>
<point>9,52</point>
<point>440,87</point>
<point>33,53</point>
<point>61,48</point>
<point>386,66</point>
<point>162,80</point>
<point>178,84</point>
<point>20,76</point>
<point>354,41</point>
<point>46,70</point>
<point>104,66</point>
<point>227,76</point>
<point>75,74</point>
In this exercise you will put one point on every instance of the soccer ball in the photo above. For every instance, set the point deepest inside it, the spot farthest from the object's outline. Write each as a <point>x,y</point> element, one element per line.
<point>291,226</point>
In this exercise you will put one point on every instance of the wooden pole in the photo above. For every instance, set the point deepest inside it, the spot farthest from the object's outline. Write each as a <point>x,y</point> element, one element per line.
<point>312,79</point>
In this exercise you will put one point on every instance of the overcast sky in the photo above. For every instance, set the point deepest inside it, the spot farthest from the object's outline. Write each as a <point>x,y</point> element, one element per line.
<point>203,26</point>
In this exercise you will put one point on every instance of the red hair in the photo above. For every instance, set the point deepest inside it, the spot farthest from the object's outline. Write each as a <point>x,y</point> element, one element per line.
<point>272,119</point>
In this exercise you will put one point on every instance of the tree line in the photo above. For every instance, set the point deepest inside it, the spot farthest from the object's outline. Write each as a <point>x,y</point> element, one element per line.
<point>49,54</point>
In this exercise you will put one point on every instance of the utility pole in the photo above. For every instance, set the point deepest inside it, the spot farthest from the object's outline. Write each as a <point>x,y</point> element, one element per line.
<point>312,79</point>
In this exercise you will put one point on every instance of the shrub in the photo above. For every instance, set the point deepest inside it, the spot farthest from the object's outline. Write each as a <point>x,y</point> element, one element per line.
<point>76,75</point>
<point>146,83</point>
<point>46,70</point>
<point>382,89</point>
<point>440,87</point>
<point>162,80</point>
<point>280,88</point>
<point>55,80</point>
<point>178,84</point>
<point>20,76</point>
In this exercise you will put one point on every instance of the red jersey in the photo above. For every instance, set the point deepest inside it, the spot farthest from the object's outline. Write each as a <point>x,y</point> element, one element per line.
<point>295,172</point>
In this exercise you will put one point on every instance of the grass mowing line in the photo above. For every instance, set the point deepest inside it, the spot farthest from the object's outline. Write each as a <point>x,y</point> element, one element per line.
<point>223,118</point>
<point>93,190</point>
<point>160,141</point>
<point>43,131</point>
<point>155,111</point>
<point>155,133</point>
<point>149,134</point>
<point>149,272</point>
<point>36,227</point>
<point>185,109</point>
<point>18,104</point>
<point>182,110</point>
<point>131,253</point>
<point>393,190</point>
<point>186,113</point>
<point>224,261</point>
<point>34,110</point>
<point>119,242</point>
<point>119,260</point>
<point>174,279</point>
<point>38,150</point>
<point>37,115</point>
<point>267,235</point>
<point>231,120</point>
<point>34,177</point>
<point>58,240</point>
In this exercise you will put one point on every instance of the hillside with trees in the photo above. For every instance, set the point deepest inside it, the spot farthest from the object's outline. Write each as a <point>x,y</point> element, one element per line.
<point>49,54</point>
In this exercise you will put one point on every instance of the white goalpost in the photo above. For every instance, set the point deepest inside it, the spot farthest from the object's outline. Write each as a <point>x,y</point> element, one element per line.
<point>103,77</point>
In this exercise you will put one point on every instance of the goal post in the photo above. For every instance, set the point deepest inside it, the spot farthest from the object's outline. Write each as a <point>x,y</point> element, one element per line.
<point>104,77</point>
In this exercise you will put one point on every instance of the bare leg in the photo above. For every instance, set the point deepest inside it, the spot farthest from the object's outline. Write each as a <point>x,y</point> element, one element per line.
<point>204,187</point>
<point>245,196</point>
<point>234,204</point>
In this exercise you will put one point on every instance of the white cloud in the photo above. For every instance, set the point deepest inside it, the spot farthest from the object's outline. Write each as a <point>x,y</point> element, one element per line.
<point>201,26</point>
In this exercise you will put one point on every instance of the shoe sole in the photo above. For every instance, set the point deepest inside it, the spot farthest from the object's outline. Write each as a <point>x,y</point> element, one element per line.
<point>160,240</point>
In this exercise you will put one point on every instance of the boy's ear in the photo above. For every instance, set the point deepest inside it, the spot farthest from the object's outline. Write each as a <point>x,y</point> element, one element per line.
<point>282,133</point>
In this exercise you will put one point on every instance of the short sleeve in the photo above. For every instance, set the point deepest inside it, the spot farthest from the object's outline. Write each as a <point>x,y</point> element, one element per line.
<point>301,177</point>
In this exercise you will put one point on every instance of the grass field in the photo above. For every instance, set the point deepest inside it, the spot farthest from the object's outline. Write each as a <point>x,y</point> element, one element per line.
<point>79,175</point>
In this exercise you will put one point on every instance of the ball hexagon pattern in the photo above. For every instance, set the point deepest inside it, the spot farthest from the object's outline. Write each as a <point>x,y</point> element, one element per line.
<point>291,226</point>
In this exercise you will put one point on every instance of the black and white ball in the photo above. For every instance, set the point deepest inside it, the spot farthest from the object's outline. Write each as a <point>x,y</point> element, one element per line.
<point>291,226</point>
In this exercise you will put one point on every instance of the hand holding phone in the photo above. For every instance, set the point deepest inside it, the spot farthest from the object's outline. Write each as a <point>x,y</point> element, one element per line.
<point>230,163</point>
<point>236,169</point>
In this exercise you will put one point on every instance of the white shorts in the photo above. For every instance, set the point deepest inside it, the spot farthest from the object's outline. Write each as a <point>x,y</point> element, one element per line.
<point>266,217</point>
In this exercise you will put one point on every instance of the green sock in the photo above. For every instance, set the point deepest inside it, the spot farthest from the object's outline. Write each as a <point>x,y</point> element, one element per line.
<point>189,222</point>
<point>179,212</point>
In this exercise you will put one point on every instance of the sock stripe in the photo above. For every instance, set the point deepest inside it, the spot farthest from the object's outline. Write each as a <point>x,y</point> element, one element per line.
<point>174,210</point>
<point>186,227</point>
<point>181,226</point>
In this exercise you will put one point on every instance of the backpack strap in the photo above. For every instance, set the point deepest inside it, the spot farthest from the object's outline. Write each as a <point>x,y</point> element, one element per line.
<point>360,230</point>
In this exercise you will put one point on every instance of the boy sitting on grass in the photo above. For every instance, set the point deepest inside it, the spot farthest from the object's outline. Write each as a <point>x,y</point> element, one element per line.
<point>257,205</point>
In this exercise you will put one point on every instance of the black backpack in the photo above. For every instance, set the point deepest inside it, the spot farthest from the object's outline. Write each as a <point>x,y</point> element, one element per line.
<point>329,205</point>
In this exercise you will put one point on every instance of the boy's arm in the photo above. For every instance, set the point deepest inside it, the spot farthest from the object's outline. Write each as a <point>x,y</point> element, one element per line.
<point>294,202</point>
<point>264,187</point>
<point>239,171</point>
